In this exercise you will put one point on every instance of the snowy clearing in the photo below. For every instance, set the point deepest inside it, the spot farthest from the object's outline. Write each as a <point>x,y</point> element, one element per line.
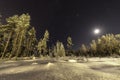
<point>94,69</point>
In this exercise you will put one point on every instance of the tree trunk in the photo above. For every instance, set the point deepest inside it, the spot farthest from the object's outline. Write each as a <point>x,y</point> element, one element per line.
<point>14,45</point>
<point>19,45</point>
<point>6,45</point>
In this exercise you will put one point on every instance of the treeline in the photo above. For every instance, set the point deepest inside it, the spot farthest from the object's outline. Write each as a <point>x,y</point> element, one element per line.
<point>18,39</point>
<point>106,45</point>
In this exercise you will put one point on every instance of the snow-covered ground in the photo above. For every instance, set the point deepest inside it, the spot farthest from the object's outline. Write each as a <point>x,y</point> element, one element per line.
<point>62,69</point>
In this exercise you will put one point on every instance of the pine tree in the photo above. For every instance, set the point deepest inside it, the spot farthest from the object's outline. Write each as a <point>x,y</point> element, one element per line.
<point>42,44</point>
<point>7,32</point>
<point>21,23</point>
<point>83,50</point>
<point>30,42</point>
<point>69,42</point>
<point>93,48</point>
<point>59,50</point>
<point>69,46</point>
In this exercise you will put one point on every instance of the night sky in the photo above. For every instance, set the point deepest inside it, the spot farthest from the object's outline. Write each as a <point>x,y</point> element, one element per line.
<point>62,18</point>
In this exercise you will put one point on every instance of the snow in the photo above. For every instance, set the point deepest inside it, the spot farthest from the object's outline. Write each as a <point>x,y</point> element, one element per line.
<point>94,69</point>
<point>34,63</point>
<point>72,60</point>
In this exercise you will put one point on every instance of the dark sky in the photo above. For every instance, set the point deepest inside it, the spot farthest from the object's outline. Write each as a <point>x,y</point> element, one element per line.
<point>75,18</point>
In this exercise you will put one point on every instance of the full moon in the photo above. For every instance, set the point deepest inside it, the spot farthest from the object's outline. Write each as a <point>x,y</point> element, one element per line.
<point>96,31</point>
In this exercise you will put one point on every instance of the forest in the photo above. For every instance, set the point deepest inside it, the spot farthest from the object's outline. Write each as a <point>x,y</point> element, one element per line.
<point>18,39</point>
